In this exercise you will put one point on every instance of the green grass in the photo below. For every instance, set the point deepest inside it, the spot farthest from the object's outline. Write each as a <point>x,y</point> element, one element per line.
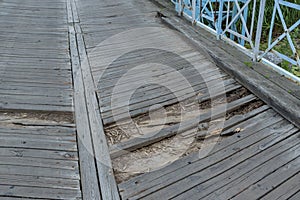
<point>248,64</point>
<point>290,16</point>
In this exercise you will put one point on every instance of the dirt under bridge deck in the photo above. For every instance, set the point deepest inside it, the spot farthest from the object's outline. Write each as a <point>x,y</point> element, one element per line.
<point>103,100</point>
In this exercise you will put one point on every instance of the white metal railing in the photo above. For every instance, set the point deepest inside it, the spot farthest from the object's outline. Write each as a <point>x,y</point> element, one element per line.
<point>240,22</point>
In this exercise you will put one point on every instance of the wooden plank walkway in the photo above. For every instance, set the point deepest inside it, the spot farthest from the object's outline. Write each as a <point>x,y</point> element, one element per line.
<point>248,165</point>
<point>39,158</point>
<point>35,71</point>
<point>266,138</point>
<point>113,104</point>
<point>235,167</point>
<point>38,138</point>
<point>105,62</point>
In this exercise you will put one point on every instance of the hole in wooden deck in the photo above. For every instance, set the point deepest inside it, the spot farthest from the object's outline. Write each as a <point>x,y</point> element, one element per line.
<point>20,118</point>
<point>160,153</point>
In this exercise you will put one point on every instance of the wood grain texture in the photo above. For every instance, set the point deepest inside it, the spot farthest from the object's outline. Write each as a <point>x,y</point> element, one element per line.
<point>34,40</point>
<point>48,63</point>
<point>105,173</point>
<point>39,159</point>
<point>89,180</point>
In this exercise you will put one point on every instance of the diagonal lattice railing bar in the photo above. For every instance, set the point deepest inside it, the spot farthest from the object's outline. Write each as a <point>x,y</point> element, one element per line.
<point>253,18</point>
<point>228,20</point>
<point>278,39</point>
<point>205,12</point>
<point>239,14</point>
<point>289,4</point>
<point>208,12</point>
<point>286,34</point>
<point>285,27</point>
<point>227,16</point>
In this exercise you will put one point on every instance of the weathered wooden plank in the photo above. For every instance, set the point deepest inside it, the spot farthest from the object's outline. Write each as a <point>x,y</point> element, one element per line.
<point>33,45</point>
<point>273,180</point>
<point>36,57</point>
<point>33,71</point>
<point>286,190</point>
<point>32,54</point>
<point>150,89</point>
<point>132,57</point>
<point>22,142</point>
<point>30,5</point>
<point>211,185</point>
<point>38,128</point>
<point>158,76</point>
<point>30,14</point>
<point>172,167</point>
<point>125,63</point>
<point>295,196</point>
<point>114,19</point>
<point>36,107</point>
<point>20,30</point>
<point>135,143</point>
<point>136,107</point>
<point>9,77</point>
<point>255,124</point>
<point>40,80</point>
<point>144,93</point>
<point>13,198</point>
<point>105,173</point>
<point>29,65</point>
<point>34,21</point>
<point>237,119</point>
<point>188,59</point>
<point>34,60</point>
<point>196,173</point>
<point>154,38</point>
<point>41,94</point>
<point>34,42</point>
<point>38,171</point>
<point>34,85</point>
<point>40,162</point>
<point>51,138</point>
<point>40,181</point>
<point>71,137</point>
<point>252,177</point>
<point>143,107</point>
<point>24,76</point>
<point>46,2</point>
<point>69,10</point>
<point>116,102</point>
<point>60,135</point>
<point>6,99</point>
<point>38,153</point>
<point>74,12</point>
<point>43,8</point>
<point>89,180</point>
<point>38,192</point>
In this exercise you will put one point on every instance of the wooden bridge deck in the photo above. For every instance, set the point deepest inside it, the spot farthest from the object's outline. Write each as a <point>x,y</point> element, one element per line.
<point>35,67</point>
<point>105,62</point>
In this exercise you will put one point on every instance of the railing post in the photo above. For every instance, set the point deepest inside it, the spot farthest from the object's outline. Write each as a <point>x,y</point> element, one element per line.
<point>193,12</point>
<point>259,29</point>
<point>220,17</point>
<point>179,7</point>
